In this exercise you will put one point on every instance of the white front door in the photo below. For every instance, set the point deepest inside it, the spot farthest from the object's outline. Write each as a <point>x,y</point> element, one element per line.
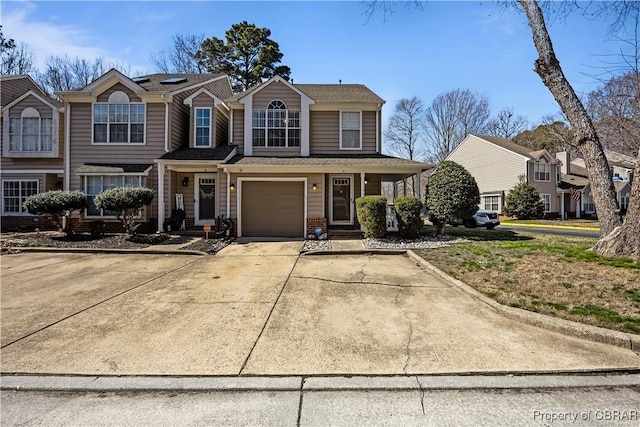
<point>341,199</point>
<point>204,199</point>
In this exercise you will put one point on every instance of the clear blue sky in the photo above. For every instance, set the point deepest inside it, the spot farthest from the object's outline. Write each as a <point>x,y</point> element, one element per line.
<point>444,46</point>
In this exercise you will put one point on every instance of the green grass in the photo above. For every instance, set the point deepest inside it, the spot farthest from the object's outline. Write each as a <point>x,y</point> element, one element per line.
<point>606,315</point>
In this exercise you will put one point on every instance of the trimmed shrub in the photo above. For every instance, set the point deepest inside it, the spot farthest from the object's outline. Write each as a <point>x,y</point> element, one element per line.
<point>408,211</point>
<point>372,214</point>
<point>58,205</point>
<point>523,201</point>
<point>453,193</point>
<point>126,203</point>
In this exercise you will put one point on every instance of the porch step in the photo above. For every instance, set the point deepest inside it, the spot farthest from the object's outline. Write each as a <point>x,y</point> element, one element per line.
<point>344,234</point>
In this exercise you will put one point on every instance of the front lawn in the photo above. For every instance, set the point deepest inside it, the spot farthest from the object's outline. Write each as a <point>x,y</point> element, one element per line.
<point>554,275</point>
<point>589,224</point>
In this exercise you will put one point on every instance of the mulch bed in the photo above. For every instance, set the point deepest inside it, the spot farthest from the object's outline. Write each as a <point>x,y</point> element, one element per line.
<point>60,240</point>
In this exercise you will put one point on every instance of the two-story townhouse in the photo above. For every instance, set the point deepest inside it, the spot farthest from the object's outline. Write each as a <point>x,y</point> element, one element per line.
<point>305,152</point>
<point>498,164</point>
<point>117,127</point>
<point>32,152</point>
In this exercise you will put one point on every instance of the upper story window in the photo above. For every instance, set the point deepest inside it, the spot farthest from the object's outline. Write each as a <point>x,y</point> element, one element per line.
<point>276,126</point>
<point>350,130</point>
<point>541,170</point>
<point>118,121</point>
<point>30,132</point>
<point>202,129</point>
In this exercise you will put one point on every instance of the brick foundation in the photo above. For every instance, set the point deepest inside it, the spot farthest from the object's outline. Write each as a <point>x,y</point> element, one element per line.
<point>27,223</point>
<point>111,226</point>
<point>312,223</point>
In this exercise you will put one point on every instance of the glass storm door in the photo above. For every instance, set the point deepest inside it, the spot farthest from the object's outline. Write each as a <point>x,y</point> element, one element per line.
<point>205,199</point>
<point>341,199</point>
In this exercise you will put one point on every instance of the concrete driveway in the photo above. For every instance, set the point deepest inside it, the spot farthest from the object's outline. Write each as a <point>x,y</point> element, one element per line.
<point>262,309</point>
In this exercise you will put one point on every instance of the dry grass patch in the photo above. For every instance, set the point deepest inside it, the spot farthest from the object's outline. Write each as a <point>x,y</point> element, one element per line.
<point>554,275</point>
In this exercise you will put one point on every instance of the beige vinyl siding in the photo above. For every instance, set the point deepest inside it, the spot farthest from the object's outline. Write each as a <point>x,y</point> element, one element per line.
<point>33,102</point>
<point>220,88</point>
<point>221,135</point>
<point>493,167</point>
<point>104,96</point>
<point>187,193</point>
<point>545,187</point>
<point>315,207</point>
<point>238,129</point>
<point>276,90</point>
<point>15,88</point>
<point>325,133</point>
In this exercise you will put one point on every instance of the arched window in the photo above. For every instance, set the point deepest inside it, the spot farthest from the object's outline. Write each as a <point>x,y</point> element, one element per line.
<point>118,121</point>
<point>30,132</point>
<point>276,126</point>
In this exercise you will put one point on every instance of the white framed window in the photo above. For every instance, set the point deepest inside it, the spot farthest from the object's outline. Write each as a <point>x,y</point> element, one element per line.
<point>589,206</point>
<point>202,127</point>
<point>118,121</point>
<point>350,130</point>
<point>96,184</point>
<point>14,194</point>
<point>541,170</point>
<point>624,201</point>
<point>276,126</point>
<point>30,132</point>
<point>546,200</point>
<point>492,203</point>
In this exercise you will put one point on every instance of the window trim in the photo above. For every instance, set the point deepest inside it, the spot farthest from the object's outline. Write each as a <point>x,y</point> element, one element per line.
<point>548,196</point>
<point>341,147</point>
<point>484,202</point>
<point>286,128</point>
<point>195,127</point>
<point>117,98</point>
<point>537,173</point>
<point>83,181</point>
<point>30,113</point>
<point>22,212</point>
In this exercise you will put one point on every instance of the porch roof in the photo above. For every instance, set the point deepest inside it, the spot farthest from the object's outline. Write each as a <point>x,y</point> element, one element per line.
<point>567,181</point>
<point>114,168</point>
<point>331,160</point>
<point>221,153</point>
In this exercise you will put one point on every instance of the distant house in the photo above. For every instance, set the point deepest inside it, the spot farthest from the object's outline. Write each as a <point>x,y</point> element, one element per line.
<point>32,147</point>
<point>497,166</point>
<point>278,159</point>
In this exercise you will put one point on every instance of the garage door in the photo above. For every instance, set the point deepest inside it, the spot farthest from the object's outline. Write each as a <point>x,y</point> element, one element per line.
<point>273,209</point>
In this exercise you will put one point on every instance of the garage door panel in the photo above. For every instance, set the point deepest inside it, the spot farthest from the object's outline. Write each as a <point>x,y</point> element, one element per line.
<point>273,208</point>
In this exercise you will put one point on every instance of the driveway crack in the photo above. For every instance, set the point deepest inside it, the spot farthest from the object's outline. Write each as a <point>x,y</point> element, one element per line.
<point>421,395</point>
<point>407,347</point>
<point>351,282</point>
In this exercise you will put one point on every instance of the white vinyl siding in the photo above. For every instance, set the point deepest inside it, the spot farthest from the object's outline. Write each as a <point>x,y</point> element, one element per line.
<point>350,130</point>
<point>95,184</point>
<point>14,193</point>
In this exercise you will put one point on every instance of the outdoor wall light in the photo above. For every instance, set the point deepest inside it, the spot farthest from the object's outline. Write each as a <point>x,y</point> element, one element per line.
<point>314,187</point>
<point>366,181</point>
<point>232,186</point>
<point>185,181</point>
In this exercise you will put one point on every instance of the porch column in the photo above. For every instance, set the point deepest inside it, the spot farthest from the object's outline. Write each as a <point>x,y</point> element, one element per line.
<point>404,186</point>
<point>579,206</point>
<point>395,190</point>
<point>418,184</point>
<point>562,205</point>
<point>362,184</point>
<point>160,197</point>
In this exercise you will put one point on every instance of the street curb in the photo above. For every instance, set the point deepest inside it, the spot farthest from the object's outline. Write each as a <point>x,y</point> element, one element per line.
<point>356,252</point>
<point>568,327</point>
<point>109,250</point>
<point>558,227</point>
<point>492,381</point>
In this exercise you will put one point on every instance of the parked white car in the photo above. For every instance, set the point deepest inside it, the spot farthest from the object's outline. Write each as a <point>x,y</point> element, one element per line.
<point>487,219</point>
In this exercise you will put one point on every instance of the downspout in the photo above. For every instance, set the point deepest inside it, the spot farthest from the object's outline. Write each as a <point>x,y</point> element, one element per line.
<point>166,126</point>
<point>378,148</point>
<point>67,144</point>
<point>228,192</point>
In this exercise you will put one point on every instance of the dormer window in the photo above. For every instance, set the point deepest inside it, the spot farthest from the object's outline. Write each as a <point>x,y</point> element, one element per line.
<point>118,121</point>
<point>541,170</point>
<point>30,132</point>
<point>202,128</point>
<point>276,126</point>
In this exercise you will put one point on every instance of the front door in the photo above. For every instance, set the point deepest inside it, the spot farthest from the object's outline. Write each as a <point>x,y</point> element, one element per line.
<point>204,199</point>
<point>341,200</point>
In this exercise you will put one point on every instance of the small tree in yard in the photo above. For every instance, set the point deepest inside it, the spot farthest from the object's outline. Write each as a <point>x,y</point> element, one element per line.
<point>58,205</point>
<point>372,214</point>
<point>408,210</point>
<point>453,193</point>
<point>126,202</point>
<point>523,201</point>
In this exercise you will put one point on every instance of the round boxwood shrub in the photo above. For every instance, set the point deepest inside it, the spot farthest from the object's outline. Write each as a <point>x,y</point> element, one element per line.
<point>408,211</point>
<point>372,215</point>
<point>126,203</point>
<point>523,201</point>
<point>453,193</point>
<point>57,204</point>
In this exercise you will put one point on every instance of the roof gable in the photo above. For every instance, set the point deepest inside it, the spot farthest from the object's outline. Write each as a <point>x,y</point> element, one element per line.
<point>44,100</point>
<point>275,79</point>
<point>15,86</point>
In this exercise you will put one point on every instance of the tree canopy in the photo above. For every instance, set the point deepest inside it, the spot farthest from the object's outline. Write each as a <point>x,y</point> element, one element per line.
<point>247,55</point>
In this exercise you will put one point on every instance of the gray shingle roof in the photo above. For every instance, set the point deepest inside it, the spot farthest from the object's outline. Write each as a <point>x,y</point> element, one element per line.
<point>220,152</point>
<point>511,146</point>
<point>329,93</point>
<point>113,168</point>
<point>329,160</point>
<point>154,84</point>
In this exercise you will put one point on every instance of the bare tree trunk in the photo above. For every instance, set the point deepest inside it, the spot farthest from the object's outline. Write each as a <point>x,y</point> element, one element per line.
<point>585,137</point>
